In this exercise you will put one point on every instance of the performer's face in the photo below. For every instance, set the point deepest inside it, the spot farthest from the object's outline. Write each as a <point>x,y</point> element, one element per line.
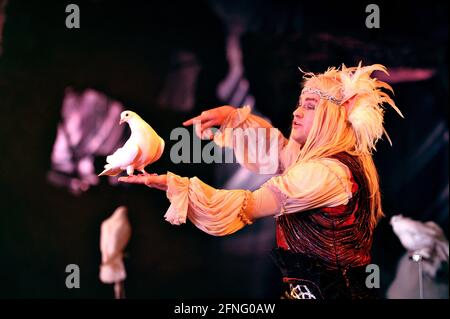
<point>304,116</point>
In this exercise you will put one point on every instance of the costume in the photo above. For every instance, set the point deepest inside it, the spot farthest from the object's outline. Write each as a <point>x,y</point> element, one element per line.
<point>323,252</point>
<point>325,195</point>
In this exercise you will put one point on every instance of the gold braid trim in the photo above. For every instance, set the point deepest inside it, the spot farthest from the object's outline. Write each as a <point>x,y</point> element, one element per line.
<point>246,207</point>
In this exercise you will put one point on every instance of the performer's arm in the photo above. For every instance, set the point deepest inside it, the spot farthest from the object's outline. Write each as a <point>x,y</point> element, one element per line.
<point>305,186</point>
<point>324,183</point>
<point>235,123</point>
<point>216,212</point>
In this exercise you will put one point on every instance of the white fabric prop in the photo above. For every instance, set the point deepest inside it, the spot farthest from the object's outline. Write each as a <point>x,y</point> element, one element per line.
<point>114,236</point>
<point>424,239</point>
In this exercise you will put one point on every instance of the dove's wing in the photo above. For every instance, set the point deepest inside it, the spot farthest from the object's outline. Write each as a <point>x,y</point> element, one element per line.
<point>124,156</point>
<point>121,158</point>
<point>160,150</point>
<point>150,144</point>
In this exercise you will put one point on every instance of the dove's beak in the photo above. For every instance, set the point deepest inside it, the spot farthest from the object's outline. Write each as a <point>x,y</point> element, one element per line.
<point>121,121</point>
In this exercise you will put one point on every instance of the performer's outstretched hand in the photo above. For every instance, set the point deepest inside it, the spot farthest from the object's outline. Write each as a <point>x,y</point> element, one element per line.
<point>208,119</point>
<point>151,180</point>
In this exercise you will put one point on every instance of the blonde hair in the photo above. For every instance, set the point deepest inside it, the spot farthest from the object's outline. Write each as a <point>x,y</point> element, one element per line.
<point>338,128</point>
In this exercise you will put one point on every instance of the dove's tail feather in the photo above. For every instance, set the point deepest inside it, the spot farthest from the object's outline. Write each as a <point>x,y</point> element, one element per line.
<point>110,171</point>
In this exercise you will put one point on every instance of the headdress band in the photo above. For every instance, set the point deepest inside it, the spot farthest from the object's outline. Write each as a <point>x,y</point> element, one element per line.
<point>322,94</point>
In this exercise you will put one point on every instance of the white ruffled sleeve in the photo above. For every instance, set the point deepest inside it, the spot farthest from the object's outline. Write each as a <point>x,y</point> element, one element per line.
<point>305,186</point>
<point>216,212</point>
<point>257,145</point>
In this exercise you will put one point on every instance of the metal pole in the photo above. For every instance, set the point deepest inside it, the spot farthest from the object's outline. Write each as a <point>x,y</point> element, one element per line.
<point>420,279</point>
<point>119,290</point>
<point>418,259</point>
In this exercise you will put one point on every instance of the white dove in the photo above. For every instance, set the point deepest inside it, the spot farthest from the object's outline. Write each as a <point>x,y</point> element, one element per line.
<point>143,147</point>
<point>115,233</point>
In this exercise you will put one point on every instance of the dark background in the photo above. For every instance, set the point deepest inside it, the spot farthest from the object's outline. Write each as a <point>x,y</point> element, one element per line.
<point>122,49</point>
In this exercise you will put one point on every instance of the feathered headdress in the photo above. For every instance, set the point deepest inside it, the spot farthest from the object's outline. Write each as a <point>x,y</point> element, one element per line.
<point>363,99</point>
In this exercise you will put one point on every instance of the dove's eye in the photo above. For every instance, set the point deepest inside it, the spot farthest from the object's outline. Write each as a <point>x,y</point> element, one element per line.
<point>126,114</point>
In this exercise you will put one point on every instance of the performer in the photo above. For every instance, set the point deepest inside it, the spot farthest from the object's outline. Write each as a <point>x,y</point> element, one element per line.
<point>325,196</point>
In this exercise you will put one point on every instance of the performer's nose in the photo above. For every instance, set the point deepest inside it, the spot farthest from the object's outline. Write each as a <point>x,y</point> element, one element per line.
<point>298,112</point>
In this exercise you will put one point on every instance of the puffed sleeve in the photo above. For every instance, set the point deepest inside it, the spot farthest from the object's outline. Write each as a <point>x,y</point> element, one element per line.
<point>216,212</point>
<point>257,145</point>
<point>304,186</point>
<point>309,185</point>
